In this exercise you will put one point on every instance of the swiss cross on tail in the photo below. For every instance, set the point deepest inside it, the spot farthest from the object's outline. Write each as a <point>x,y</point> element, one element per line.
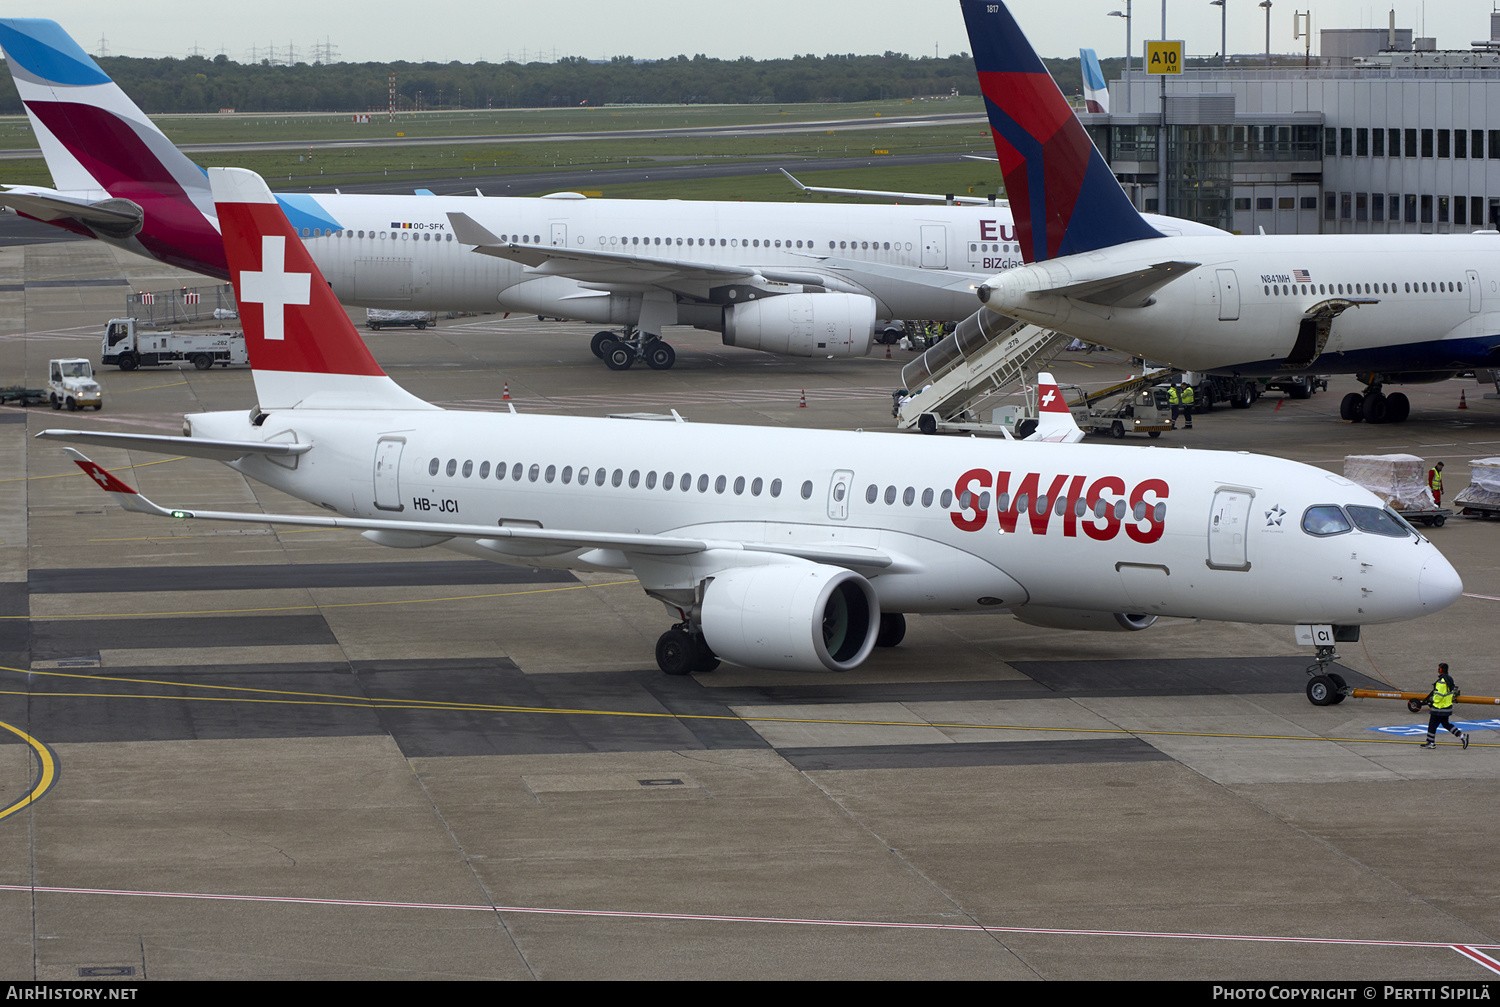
<point>1064,198</point>
<point>1054,419</point>
<point>94,471</point>
<point>293,322</point>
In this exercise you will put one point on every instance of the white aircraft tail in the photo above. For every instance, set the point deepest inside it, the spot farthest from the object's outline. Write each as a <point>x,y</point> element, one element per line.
<point>1054,423</point>
<point>304,350</point>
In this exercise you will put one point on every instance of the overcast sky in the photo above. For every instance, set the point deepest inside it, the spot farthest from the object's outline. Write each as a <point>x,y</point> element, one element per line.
<point>376,30</point>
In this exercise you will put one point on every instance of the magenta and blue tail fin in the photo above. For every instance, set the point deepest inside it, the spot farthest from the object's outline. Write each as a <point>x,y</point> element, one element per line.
<point>1064,197</point>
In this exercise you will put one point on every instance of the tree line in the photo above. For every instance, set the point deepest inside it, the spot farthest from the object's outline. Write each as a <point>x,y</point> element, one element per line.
<point>203,84</point>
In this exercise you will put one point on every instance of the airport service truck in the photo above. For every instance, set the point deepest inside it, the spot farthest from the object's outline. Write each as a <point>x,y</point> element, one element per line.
<point>128,345</point>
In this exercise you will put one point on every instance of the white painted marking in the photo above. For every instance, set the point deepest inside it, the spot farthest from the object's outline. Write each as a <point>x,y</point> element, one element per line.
<point>1470,951</point>
<point>273,286</point>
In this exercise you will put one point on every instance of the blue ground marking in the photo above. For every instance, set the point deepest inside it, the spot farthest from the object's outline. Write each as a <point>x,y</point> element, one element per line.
<point>1412,730</point>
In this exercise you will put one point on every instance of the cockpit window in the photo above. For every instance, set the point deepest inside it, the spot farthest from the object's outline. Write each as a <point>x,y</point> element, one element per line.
<point>1324,519</point>
<point>1378,522</point>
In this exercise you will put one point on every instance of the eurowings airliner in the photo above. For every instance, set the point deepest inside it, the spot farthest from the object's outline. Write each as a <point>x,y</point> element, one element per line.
<point>798,279</point>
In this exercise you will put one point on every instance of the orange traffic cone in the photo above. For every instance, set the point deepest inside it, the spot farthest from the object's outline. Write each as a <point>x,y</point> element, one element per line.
<point>506,397</point>
<point>802,403</point>
<point>1462,402</point>
<point>887,351</point>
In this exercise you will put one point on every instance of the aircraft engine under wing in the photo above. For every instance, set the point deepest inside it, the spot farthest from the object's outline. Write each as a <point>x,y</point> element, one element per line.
<point>117,218</point>
<point>1123,290</point>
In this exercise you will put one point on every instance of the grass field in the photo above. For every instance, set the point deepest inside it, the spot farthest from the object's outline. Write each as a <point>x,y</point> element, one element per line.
<point>421,163</point>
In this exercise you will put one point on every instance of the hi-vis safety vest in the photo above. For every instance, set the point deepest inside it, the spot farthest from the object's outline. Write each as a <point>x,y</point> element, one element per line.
<point>1187,395</point>
<point>1442,696</point>
<point>1172,394</point>
<point>1435,480</point>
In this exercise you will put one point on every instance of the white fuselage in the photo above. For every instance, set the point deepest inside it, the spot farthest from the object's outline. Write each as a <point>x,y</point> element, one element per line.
<point>1215,535</point>
<point>1436,302</point>
<point>384,251</point>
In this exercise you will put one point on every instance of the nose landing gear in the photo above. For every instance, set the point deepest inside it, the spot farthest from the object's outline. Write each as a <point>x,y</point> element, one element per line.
<point>1325,687</point>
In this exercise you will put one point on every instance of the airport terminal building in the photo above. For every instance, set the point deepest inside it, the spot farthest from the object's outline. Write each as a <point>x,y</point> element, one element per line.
<point>1382,133</point>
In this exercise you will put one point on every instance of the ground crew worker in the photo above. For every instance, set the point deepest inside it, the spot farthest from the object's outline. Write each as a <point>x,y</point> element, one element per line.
<point>1187,405</point>
<point>1441,698</point>
<point>1175,402</point>
<point>1435,482</point>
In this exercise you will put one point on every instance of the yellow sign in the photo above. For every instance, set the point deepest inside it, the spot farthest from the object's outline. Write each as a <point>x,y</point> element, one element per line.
<point>1164,57</point>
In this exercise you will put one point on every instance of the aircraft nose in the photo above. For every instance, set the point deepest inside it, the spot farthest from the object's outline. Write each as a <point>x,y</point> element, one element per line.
<point>1438,585</point>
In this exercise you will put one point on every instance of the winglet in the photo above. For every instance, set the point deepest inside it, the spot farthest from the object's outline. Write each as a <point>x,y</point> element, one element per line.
<point>123,494</point>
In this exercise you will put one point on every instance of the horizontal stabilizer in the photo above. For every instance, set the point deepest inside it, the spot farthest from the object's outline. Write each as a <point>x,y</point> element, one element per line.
<point>1125,290</point>
<point>49,204</point>
<point>193,447</point>
<point>562,539</point>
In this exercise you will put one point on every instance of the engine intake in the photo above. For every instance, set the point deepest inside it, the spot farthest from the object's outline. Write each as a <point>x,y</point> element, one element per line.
<point>791,617</point>
<point>803,325</point>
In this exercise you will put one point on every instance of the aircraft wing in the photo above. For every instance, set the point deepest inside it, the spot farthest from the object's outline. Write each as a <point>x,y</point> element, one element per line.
<point>910,197</point>
<point>596,266</point>
<point>193,447</point>
<point>1125,290</point>
<point>424,533</point>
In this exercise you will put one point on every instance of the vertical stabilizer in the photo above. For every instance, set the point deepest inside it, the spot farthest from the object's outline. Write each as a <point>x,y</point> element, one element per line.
<point>1064,197</point>
<point>304,350</point>
<point>1054,420</point>
<point>1095,90</point>
<point>99,145</point>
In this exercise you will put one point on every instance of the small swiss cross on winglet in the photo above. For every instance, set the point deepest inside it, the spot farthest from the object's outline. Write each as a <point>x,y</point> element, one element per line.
<point>107,482</point>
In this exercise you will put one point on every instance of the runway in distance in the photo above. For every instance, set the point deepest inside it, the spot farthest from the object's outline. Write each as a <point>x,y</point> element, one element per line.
<point>769,547</point>
<point>1392,309</point>
<point>798,279</point>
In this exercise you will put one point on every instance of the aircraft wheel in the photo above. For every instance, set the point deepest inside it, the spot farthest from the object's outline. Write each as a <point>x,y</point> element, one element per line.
<point>1373,408</point>
<point>128,362</point>
<point>1339,686</point>
<point>618,356</point>
<point>676,652</point>
<point>927,423</point>
<point>1321,691</point>
<point>660,355</point>
<point>1397,407</point>
<point>892,629</point>
<point>1350,407</point>
<point>203,361</point>
<point>707,659</point>
<point>1117,430</point>
<point>597,343</point>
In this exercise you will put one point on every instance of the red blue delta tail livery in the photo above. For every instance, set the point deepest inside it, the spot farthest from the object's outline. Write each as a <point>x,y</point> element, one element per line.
<point>1064,197</point>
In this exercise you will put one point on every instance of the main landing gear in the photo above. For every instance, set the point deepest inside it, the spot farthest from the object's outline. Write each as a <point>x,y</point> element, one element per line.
<point>1325,687</point>
<point>681,650</point>
<point>1375,407</point>
<point>620,350</point>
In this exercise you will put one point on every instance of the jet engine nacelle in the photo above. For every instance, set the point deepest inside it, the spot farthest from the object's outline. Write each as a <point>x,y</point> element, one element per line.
<point>1070,618</point>
<point>791,617</point>
<point>803,325</point>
